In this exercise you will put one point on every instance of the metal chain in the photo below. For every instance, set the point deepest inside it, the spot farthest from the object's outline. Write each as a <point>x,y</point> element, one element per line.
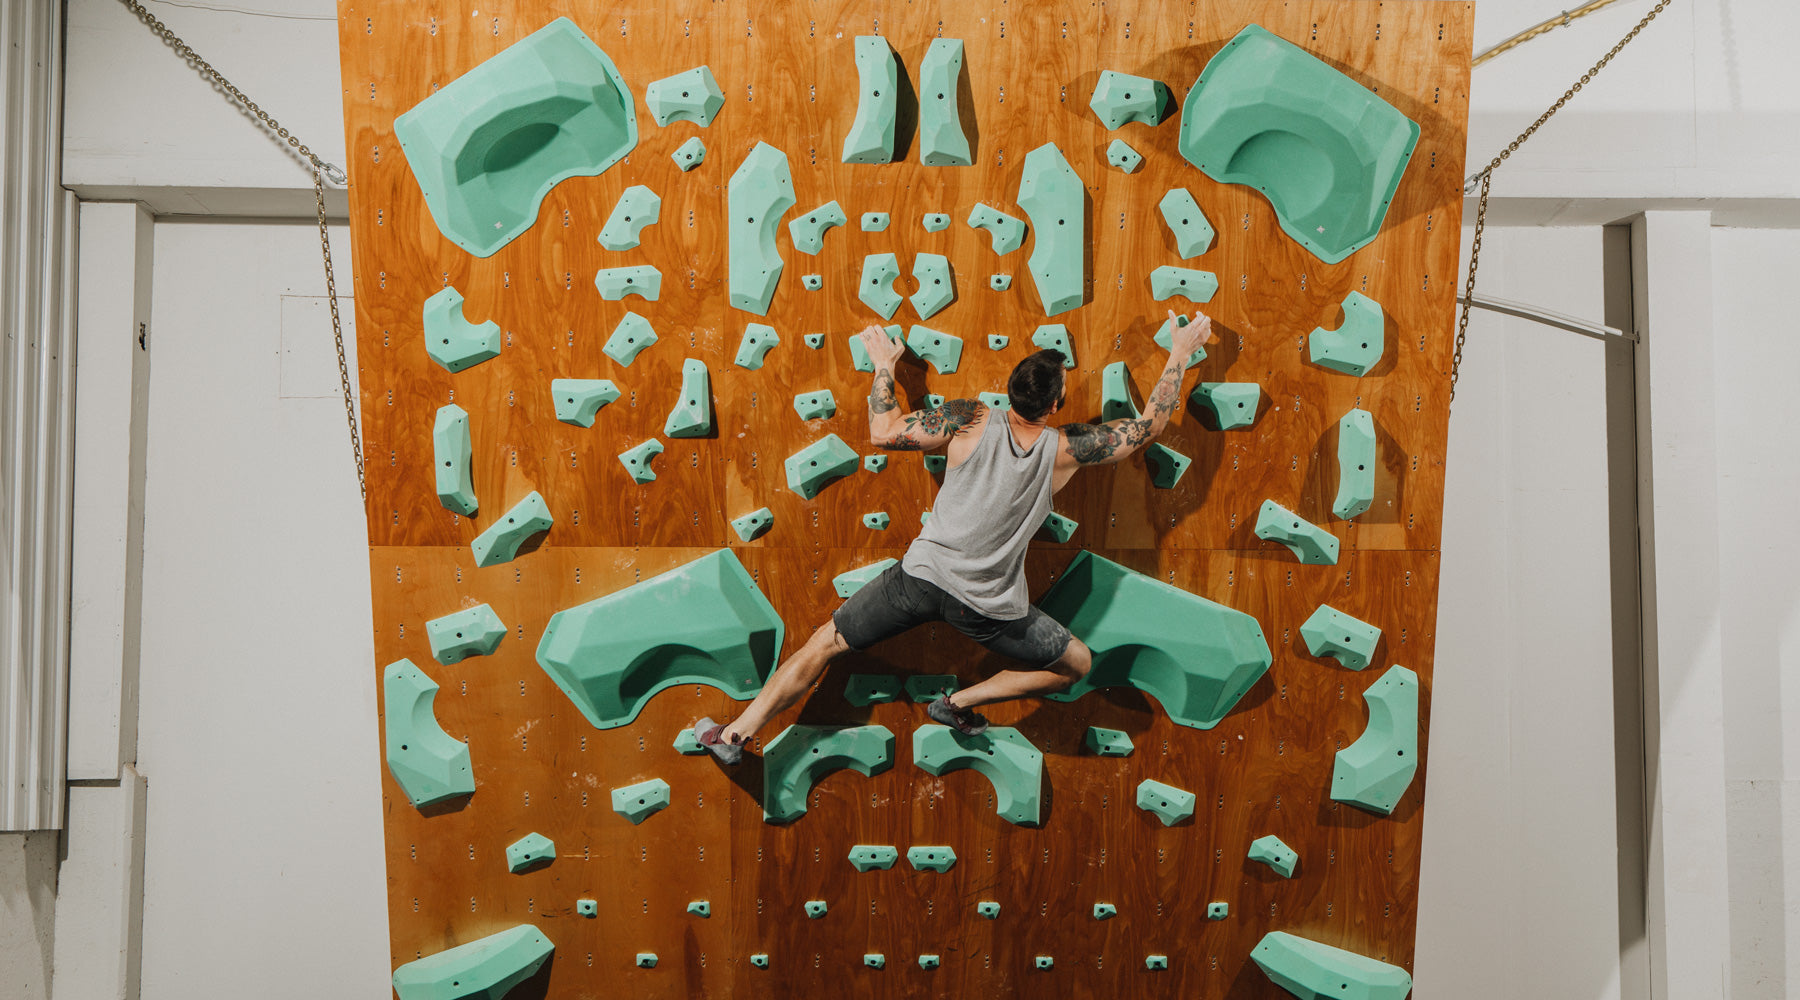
<point>1486,176</point>
<point>337,332</point>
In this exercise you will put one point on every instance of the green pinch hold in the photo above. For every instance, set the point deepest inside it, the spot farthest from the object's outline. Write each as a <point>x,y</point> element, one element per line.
<point>988,909</point>
<point>487,968</point>
<point>1060,528</point>
<point>689,154</point>
<point>1354,347</point>
<point>1277,855</point>
<point>943,350</point>
<point>936,464</point>
<point>1007,231</point>
<point>692,415</point>
<point>1170,804</point>
<point>936,288</point>
<point>1232,404</point>
<point>1169,281</point>
<point>928,961</point>
<point>875,463</point>
<point>501,540</point>
<point>577,400</point>
<point>759,339</point>
<point>1108,742</point>
<point>1121,155</point>
<point>1055,336</point>
<point>687,744</point>
<point>995,400</point>
<point>877,521</point>
<point>998,341</point>
<point>704,622</point>
<point>1001,754</point>
<point>1052,196</point>
<point>871,135</point>
<point>871,857</point>
<point>530,851</point>
<point>646,960</point>
<point>630,337</point>
<point>1330,632</point>
<point>815,405</point>
<point>803,754</point>
<point>935,222</point>
<point>1218,911</point>
<point>758,194</point>
<point>641,801</point>
<point>427,763</point>
<point>859,355</point>
<point>760,960</point>
<point>637,460</point>
<point>815,908</point>
<point>808,231</point>
<point>1000,282</point>
<point>1105,911</point>
<point>1314,971</point>
<point>1195,657</point>
<point>925,688</point>
<point>693,96</point>
<point>641,280</point>
<point>476,631</point>
<point>812,282</point>
<point>1115,393</point>
<point>1120,99</point>
<point>1311,544</point>
<point>811,468</point>
<point>751,526</point>
<point>814,340</point>
<point>876,289</point>
<point>1376,770</point>
<point>851,581</point>
<point>1356,464</point>
<point>1156,963</point>
<point>874,222</point>
<point>452,341</point>
<point>450,459</point>
<point>931,859</point>
<point>941,139</point>
<point>488,146</point>
<point>1167,465</point>
<point>1181,213</point>
<point>1165,339</point>
<point>871,689</point>
<point>875,961</point>
<point>638,207</point>
<point>700,908</point>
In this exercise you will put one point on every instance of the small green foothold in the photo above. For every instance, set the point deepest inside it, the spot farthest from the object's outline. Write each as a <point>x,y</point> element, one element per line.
<point>637,460</point>
<point>1233,404</point>
<point>1330,632</point>
<point>814,340</point>
<point>450,456</point>
<point>638,207</point>
<point>873,857</point>
<point>943,350</point>
<point>1354,347</point>
<point>1156,963</point>
<point>995,400</point>
<point>1052,196</point>
<point>1181,213</point>
<point>1170,804</point>
<point>998,341</point>
<point>452,341</point>
<point>693,96</point>
<point>999,282</point>
<point>1055,336</point>
<point>692,415</point>
<point>1356,464</point>
<point>936,464</point>
<point>689,154</point>
<point>577,400</point>
<point>587,907</point>
<point>1271,851</point>
<point>760,960</point>
<point>851,581</point>
<point>808,231</point>
<point>935,222</point>
<point>815,405</point>
<point>1120,99</point>
<point>870,689</point>
<point>1060,528</point>
<point>875,961</point>
<point>530,851</point>
<point>475,631</point>
<point>936,287</point>
<point>815,908</point>
<point>751,526</point>
<point>646,960</point>
<point>637,802</point>
<point>876,289</point>
<point>925,688</point>
<point>687,744</point>
<point>1374,772</point>
<point>1121,155</point>
<point>1043,962</point>
<point>1218,911</point>
<point>700,908</point>
<point>928,961</point>
<point>641,280</point>
<point>759,340</point>
<point>1168,281</point>
<point>1311,544</point>
<point>1105,911</point>
<point>877,521</point>
<point>812,282</point>
<point>859,355</point>
<point>632,335</point>
<point>817,464</point>
<point>501,541</point>
<point>931,859</point>
<point>1165,338</point>
<point>871,135</point>
<point>874,463</point>
<point>1166,465</point>
<point>874,222</point>
<point>1008,232</point>
<point>988,909</point>
<point>1108,742</point>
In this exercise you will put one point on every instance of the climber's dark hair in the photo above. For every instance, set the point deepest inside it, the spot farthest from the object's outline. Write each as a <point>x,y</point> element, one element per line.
<point>1036,384</point>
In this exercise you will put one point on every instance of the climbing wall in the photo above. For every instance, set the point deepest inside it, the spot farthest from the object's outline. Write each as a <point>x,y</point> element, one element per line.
<point>788,75</point>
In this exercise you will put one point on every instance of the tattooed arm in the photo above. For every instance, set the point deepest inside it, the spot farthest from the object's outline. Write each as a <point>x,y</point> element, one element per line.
<point>1116,440</point>
<point>920,430</point>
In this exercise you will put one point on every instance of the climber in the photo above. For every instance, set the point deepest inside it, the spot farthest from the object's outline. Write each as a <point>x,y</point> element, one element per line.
<point>966,567</point>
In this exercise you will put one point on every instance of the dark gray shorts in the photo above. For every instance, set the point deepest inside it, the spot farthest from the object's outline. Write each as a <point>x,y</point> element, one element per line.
<point>896,601</point>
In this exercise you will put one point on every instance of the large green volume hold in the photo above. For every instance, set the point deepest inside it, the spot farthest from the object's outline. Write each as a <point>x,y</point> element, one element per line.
<point>1375,771</point>
<point>1052,197</point>
<point>812,467</point>
<point>871,136</point>
<point>692,415</point>
<point>1314,971</point>
<point>758,194</point>
<point>1120,98</point>
<point>501,541</point>
<point>1356,464</point>
<point>452,341</point>
<point>484,969</point>
<point>701,623</point>
<point>450,452</point>
<point>1001,754</point>
<point>796,760</point>
<point>427,763</point>
<point>941,139</point>
<point>488,146</point>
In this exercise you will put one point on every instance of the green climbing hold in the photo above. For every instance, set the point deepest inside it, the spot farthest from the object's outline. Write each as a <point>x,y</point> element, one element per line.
<point>484,969</point>
<point>874,222</point>
<point>488,146</point>
<point>814,340</point>
<point>1008,233</point>
<point>870,689</point>
<point>1376,770</point>
<point>998,341</point>
<point>760,960</point>
<point>988,909</point>
<point>1181,213</point>
<point>877,521</point>
<point>808,231</point>
<point>876,289</point>
<point>1001,754</point>
<point>999,283</point>
<point>817,464</point>
<point>689,154</point>
<point>476,631</point>
<point>693,96</point>
<point>646,960</point>
<point>590,907</point>
<point>1311,544</point>
<point>933,401</point>
<point>943,350</point>
<point>1165,339</point>
<point>926,688</point>
<point>931,859</point>
<point>1169,281</point>
<point>936,464</point>
<point>758,194</point>
<point>577,400</point>
<point>637,460</point>
<point>1354,347</point>
<point>1105,911</point>
<point>1356,464</point>
<point>1053,198</point>
<point>1115,393</point>
<point>871,135</point>
<point>638,207</point>
<point>851,581</point>
<point>872,857</point>
<point>1055,336</point>
<point>1196,658</point>
<point>700,908</point>
<point>1170,804</point>
<point>704,622</point>
<point>941,139</point>
<point>687,744</point>
<point>428,764</point>
<point>1043,962</point>
<point>750,526</point>
<point>1060,528</point>
<point>815,405</point>
<point>533,850</point>
<point>875,463</point>
<point>935,222</point>
<point>1120,99</point>
<point>631,336</point>
<point>759,339</point>
<point>1121,155</point>
<point>1330,632</point>
<point>796,760</point>
<point>1232,404</point>
<point>1218,911</point>
<point>641,280</point>
<point>692,415</point>
<point>1314,971</point>
<point>1322,147</point>
<point>875,961</point>
<point>452,341</point>
<point>1156,963</point>
<point>1277,855</point>
<point>936,289</point>
<point>450,454</point>
<point>1166,465</point>
<point>501,540</point>
<point>995,400</point>
<point>815,908</point>
<point>812,282</point>
<point>928,961</point>
<point>859,355</point>
<point>1108,742</point>
<point>640,801</point>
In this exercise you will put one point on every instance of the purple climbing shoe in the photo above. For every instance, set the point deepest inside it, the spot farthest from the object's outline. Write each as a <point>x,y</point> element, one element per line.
<point>711,736</point>
<point>962,720</point>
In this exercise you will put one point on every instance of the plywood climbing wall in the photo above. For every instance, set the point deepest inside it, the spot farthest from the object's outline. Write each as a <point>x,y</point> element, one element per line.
<point>788,75</point>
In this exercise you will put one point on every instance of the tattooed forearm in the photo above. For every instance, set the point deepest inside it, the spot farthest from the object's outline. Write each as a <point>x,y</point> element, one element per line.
<point>1092,444</point>
<point>1166,397</point>
<point>949,418</point>
<point>881,399</point>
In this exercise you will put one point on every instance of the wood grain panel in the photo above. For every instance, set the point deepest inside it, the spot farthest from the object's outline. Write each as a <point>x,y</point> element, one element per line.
<point>789,79</point>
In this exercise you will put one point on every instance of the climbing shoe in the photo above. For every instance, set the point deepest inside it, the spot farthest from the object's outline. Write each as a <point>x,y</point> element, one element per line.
<point>964,721</point>
<point>712,736</point>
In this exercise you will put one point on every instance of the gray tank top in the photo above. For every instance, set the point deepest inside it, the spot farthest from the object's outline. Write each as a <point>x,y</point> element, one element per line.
<point>988,509</point>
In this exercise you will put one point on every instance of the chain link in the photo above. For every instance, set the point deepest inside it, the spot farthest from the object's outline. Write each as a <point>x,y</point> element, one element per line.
<point>337,332</point>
